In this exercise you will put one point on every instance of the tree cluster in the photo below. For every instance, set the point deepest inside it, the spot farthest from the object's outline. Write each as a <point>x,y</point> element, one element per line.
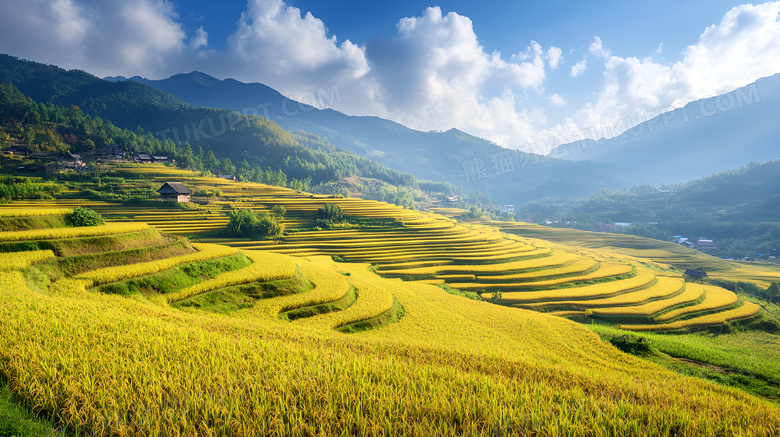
<point>251,224</point>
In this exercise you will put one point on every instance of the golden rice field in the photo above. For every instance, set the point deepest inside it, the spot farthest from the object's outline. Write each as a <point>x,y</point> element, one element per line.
<point>21,260</point>
<point>420,247</point>
<point>101,364</point>
<point>113,274</point>
<point>659,252</point>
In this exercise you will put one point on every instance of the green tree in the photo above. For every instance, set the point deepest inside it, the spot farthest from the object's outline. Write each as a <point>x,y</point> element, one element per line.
<point>29,136</point>
<point>279,211</point>
<point>246,223</point>
<point>242,222</point>
<point>772,293</point>
<point>227,167</point>
<point>330,212</point>
<point>83,216</point>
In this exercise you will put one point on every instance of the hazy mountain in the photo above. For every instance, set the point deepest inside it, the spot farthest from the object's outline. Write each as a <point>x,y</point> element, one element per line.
<point>703,137</point>
<point>452,156</point>
<point>130,104</point>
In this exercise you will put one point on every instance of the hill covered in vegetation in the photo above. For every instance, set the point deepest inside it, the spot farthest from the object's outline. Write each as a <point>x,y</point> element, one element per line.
<point>450,156</point>
<point>255,149</point>
<point>738,209</point>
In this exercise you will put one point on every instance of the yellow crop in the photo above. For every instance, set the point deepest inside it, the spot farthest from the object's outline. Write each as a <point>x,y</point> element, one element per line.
<point>107,365</point>
<point>714,297</point>
<point>265,267</point>
<point>642,279</point>
<point>556,259</point>
<point>20,260</point>
<point>748,309</point>
<point>605,271</point>
<point>620,304</point>
<point>375,296</point>
<point>111,274</point>
<point>692,293</point>
<point>91,231</point>
<point>32,212</point>
<point>578,266</point>
<point>328,287</point>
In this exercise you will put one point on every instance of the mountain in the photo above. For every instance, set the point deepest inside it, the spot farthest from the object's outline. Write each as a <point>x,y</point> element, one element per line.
<point>452,156</point>
<point>738,208</point>
<point>228,134</point>
<point>703,137</point>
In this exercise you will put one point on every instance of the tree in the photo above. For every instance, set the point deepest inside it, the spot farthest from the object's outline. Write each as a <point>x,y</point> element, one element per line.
<point>330,212</point>
<point>246,223</point>
<point>279,211</point>
<point>772,293</point>
<point>29,136</point>
<point>83,216</point>
<point>227,166</point>
<point>210,162</point>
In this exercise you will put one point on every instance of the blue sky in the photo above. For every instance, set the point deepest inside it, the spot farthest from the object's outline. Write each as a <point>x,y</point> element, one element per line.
<point>527,75</point>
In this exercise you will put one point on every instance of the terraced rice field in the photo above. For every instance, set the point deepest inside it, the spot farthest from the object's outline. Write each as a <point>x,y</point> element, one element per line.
<point>261,347</point>
<point>430,248</point>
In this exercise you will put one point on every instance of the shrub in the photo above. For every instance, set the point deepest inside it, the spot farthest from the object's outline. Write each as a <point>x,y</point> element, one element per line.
<point>327,215</point>
<point>330,212</point>
<point>246,223</point>
<point>279,211</point>
<point>83,216</point>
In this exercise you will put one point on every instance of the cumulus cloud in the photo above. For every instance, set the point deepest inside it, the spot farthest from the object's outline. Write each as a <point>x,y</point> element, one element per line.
<point>597,48</point>
<point>275,44</point>
<point>556,99</point>
<point>742,48</point>
<point>578,68</point>
<point>432,74</point>
<point>111,37</point>
<point>201,39</point>
<point>435,75</point>
<point>554,57</point>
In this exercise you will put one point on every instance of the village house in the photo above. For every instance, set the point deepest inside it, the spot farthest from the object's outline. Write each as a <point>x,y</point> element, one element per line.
<point>110,152</point>
<point>705,245</point>
<point>143,158</point>
<point>174,192</point>
<point>70,162</point>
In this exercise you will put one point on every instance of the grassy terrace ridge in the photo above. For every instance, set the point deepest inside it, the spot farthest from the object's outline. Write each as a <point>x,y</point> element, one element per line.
<point>483,258</point>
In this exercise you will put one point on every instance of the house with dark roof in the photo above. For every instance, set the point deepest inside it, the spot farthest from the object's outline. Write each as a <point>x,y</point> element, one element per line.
<point>174,192</point>
<point>109,152</point>
<point>143,158</point>
<point>229,177</point>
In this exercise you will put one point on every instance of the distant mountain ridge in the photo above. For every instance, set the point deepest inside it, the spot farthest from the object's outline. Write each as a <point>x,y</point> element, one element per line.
<point>703,137</point>
<point>229,134</point>
<point>452,156</point>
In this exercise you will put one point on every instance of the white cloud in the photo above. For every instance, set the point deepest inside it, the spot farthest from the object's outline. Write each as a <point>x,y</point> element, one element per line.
<point>742,48</point>
<point>578,68</point>
<point>556,99</point>
<point>436,75</point>
<point>433,74</point>
<point>104,38</point>
<point>277,45</point>
<point>554,57</point>
<point>597,48</point>
<point>201,39</point>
